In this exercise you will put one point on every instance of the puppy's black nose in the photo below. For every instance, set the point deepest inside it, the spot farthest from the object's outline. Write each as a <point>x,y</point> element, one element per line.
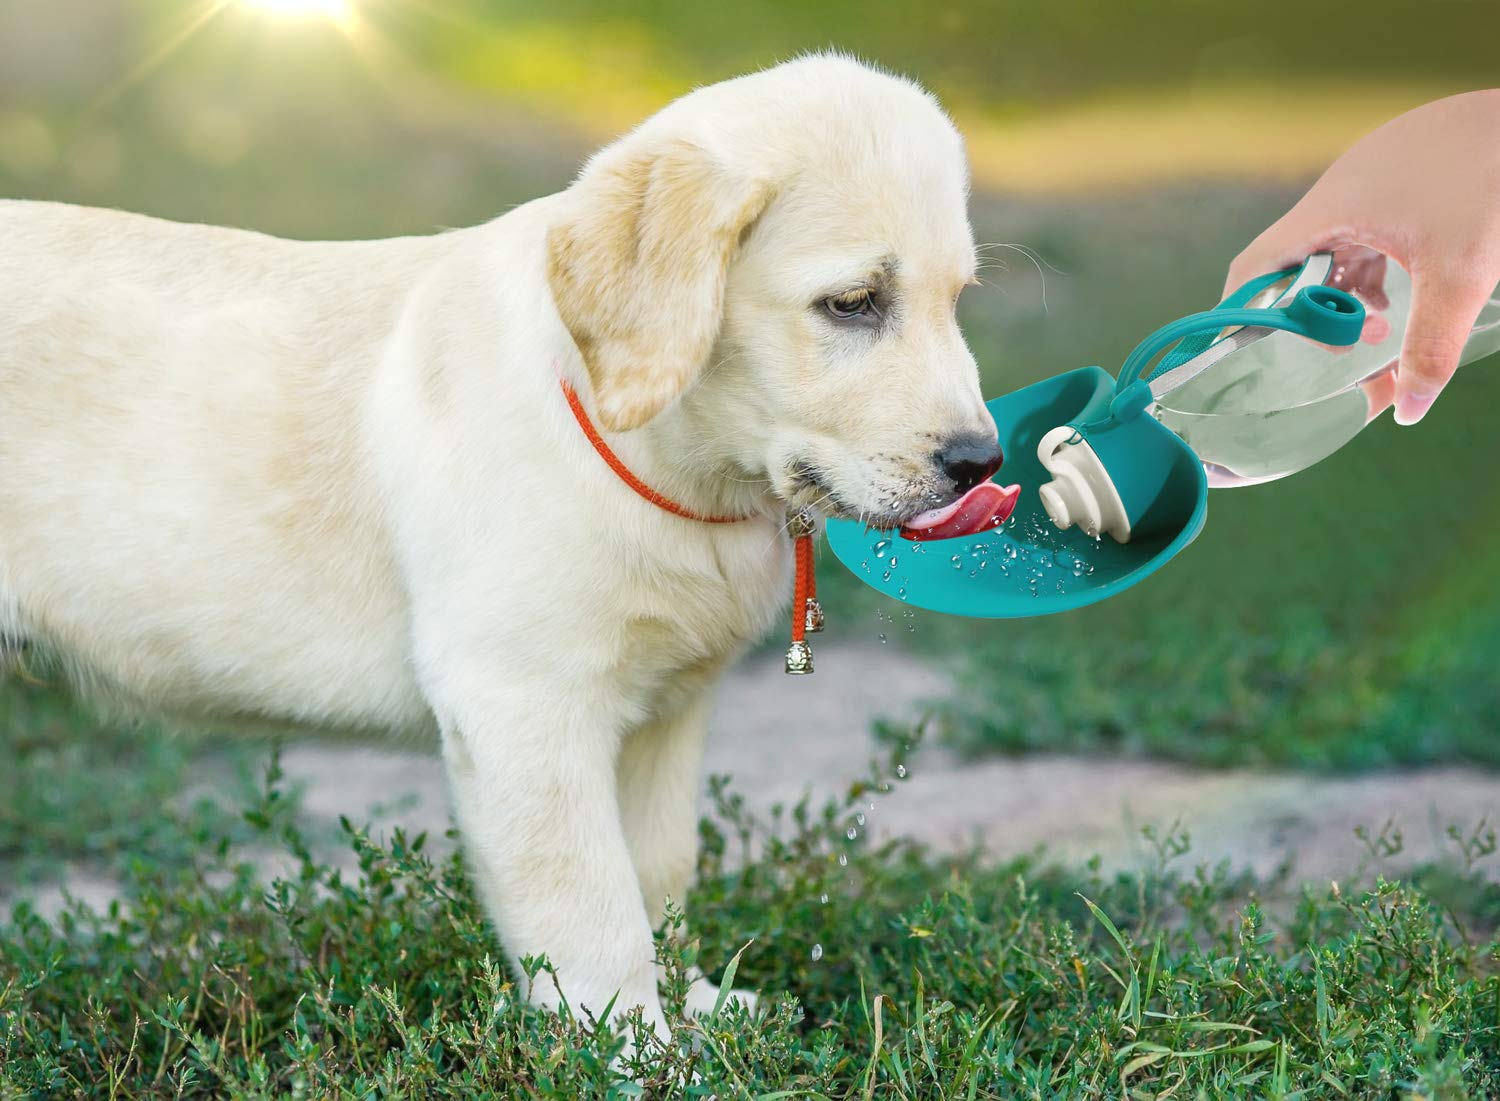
<point>969,460</point>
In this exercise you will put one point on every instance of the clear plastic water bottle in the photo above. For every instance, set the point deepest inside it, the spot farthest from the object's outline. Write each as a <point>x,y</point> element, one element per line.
<point>1281,403</point>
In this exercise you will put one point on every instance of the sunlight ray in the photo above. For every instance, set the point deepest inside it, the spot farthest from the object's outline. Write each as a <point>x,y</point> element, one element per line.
<point>194,21</point>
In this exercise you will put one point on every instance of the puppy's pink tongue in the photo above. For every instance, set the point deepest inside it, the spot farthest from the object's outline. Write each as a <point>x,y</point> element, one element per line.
<point>983,507</point>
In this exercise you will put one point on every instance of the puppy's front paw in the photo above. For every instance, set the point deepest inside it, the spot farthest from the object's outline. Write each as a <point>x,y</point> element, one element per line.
<point>703,995</point>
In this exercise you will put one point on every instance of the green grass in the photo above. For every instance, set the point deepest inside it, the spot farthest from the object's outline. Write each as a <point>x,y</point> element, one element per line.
<point>74,790</point>
<point>938,977</point>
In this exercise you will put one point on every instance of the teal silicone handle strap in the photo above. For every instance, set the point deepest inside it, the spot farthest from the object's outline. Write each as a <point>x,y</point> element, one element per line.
<point>1326,315</point>
<point>1192,347</point>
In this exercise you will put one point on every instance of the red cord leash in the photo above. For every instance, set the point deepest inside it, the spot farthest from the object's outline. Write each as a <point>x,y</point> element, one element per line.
<point>807,613</point>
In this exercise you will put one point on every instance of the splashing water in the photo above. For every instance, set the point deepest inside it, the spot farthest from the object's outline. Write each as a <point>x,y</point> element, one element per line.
<point>1028,542</point>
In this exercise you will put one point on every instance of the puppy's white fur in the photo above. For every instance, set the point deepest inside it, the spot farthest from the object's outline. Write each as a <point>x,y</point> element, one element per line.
<point>336,485</point>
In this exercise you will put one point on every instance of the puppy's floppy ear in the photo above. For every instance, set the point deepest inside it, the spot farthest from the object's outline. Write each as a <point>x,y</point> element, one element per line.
<point>637,268</point>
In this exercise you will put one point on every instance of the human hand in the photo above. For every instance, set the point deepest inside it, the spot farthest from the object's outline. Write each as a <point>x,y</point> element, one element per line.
<point>1423,190</point>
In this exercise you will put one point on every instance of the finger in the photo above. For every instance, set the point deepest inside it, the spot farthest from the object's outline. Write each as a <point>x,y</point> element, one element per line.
<point>1443,310</point>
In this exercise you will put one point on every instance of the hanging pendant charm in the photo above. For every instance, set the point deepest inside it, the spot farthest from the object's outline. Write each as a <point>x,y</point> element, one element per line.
<point>799,658</point>
<point>806,614</point>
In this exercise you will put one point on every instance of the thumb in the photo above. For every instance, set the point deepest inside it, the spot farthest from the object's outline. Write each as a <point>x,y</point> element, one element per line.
<point>1287,241</point>
<point>1273,250</point>
<point>1444,306</point>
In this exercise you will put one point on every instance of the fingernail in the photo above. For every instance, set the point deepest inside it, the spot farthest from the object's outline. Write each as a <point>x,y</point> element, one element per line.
<point>1410,408</point>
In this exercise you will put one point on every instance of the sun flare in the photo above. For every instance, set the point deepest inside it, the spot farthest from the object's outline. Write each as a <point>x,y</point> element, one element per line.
<point>339,11</point>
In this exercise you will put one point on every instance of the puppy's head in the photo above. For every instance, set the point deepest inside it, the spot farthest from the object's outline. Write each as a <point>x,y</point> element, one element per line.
<point>788,248</point>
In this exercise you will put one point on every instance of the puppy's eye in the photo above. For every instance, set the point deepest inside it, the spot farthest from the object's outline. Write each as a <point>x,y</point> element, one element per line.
<point>846,307</point>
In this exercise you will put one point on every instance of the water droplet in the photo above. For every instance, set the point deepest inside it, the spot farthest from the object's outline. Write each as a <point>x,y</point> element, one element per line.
<point>843,860</point>
<point>817,953</point>
<point>851,833</point>
<point>823,898</point>
<point>859,819</point>
<point>886,576</point>
<point>880,548</point>
<point>958,562</point>
<point>901,771</point>
<point>893,561</point>
<point>865,565</point>
<point>1009,550</point>
<point>882,640</point>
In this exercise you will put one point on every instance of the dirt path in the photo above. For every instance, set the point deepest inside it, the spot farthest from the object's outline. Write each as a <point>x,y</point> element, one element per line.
<point>779,736</point>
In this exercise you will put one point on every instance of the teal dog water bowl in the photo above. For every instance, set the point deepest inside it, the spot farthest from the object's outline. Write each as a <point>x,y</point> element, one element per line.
<point>1027,566</point>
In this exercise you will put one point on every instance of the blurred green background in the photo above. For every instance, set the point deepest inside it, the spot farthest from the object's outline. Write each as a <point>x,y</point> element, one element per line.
<point>1345,618</point>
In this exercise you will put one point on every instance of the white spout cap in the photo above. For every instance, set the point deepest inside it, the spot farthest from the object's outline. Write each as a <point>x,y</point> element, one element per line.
<point>1081,492</point>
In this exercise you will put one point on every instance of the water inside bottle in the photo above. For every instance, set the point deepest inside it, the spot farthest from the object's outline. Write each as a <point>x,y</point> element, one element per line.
<point>1284,403</point>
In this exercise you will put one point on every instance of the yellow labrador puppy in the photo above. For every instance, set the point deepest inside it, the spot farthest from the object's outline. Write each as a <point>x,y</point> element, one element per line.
<point>340,484</point>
